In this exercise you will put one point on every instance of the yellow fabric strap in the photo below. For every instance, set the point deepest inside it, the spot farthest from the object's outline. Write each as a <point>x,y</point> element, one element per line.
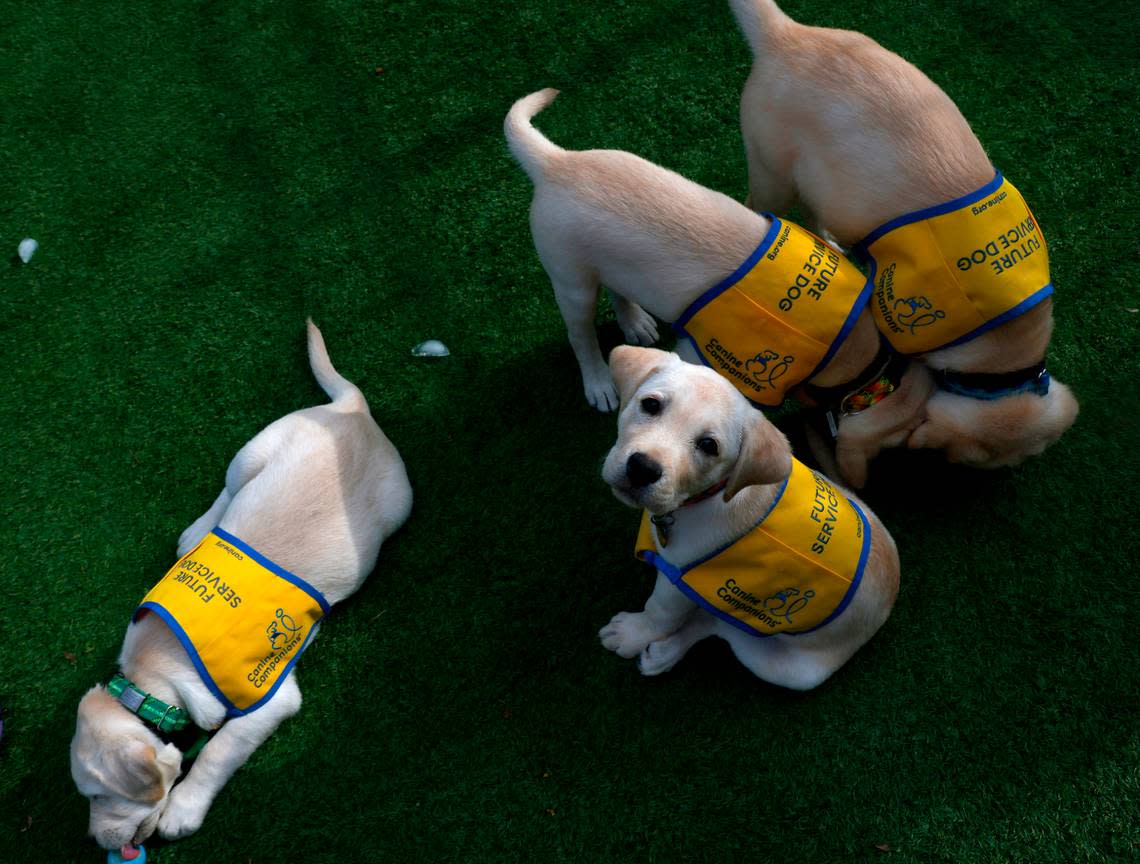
<point>947,274</point>
<point>780,317</point>
<point>243,620</point>
<point>793,572</point>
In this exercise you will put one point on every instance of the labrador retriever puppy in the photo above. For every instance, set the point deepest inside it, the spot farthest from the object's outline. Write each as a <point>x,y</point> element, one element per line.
<point>749,544</point>
<point>887,163</point>
<point>314,494</point>
<point>697,258</point>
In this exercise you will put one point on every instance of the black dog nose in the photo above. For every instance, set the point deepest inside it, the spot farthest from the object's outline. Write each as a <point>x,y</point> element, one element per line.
<point>641,470</point>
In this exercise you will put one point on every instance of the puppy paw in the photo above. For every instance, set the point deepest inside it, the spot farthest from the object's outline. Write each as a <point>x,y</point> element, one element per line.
<point>627,634</point>
<point>638,326</point>
<point>185,810</point>
<point>660,656</point>
<point>601,393</point>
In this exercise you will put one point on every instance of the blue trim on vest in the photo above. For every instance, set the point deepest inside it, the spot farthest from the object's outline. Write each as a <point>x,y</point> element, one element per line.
<point>275,568</point>
<point>860,248</point>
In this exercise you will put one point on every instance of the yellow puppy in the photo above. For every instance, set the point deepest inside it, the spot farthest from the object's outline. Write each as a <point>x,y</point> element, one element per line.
<point>749,544</point>
<point>886,163</point>
<point>314,494</point>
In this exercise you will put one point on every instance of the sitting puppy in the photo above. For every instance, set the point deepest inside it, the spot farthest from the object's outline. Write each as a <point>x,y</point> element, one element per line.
<point>313,494</point>
<point>886,161</point>
<point>760,300</point>
<point>749,544</point>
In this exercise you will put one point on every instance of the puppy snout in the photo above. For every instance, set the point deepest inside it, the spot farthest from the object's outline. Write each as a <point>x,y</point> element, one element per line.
<point>642,471</point>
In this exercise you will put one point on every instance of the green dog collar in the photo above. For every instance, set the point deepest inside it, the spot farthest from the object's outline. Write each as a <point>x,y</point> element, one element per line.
<point>164,717</point>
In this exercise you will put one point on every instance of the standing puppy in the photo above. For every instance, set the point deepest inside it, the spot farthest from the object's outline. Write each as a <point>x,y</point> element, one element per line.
<point>887,163</point>
<point>297,528</point>
<point>749,544</point>
<point>760,300</point>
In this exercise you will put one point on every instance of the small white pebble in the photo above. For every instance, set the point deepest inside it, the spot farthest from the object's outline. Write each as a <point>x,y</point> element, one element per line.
<point>431,348</point>
<point>28,248</point>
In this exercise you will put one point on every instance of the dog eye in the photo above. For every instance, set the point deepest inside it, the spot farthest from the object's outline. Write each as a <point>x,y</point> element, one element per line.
<point>650,405</point>
<point>708,447</point>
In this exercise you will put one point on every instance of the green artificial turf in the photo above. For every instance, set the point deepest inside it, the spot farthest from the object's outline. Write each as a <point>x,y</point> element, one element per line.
<point>201,176</point>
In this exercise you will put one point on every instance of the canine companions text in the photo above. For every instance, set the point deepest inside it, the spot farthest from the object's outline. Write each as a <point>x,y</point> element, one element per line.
<point>749,544</point>
<point>297,528</point>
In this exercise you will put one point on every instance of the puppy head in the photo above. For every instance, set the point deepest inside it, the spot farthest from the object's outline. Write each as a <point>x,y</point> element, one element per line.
<point>681,430</point>
<point>123,768</point>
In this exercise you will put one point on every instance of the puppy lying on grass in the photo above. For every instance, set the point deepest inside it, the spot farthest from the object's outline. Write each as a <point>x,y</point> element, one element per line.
<point>887,163</point>
<point>297,528</point>
<point>749,544</point>
<point>760,300</point>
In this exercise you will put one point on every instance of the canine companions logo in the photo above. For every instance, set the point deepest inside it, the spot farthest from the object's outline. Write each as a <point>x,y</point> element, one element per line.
<point>274,631</point>
<point>784,603</point>
<point>920,312</point>
<point>767,366</point>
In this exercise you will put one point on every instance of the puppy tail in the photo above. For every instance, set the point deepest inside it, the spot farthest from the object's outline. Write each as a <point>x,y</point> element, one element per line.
<point>529,146</point>
<point>758,19</point>
<point>342,391</point>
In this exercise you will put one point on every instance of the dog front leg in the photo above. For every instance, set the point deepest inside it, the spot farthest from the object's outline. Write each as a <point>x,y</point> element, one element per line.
<point>628,633</point>
<point>227,751</point>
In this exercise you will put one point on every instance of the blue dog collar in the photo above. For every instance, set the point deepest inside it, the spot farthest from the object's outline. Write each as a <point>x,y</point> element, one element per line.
<point>989,386</point>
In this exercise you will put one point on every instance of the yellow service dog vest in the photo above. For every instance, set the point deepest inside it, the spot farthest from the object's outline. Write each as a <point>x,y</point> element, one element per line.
<point>795,571</point>
<point>243,620</point>
<point>780,317</point>
<point>949,273</point>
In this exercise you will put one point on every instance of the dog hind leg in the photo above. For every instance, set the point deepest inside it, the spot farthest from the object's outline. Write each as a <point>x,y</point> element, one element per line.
<point>205,523</point>
<point>246,464</point>
<point>637,324</point>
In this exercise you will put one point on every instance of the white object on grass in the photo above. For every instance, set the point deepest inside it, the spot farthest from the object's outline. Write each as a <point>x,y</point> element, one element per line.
<point>28,248</point>
<point>431,348</point>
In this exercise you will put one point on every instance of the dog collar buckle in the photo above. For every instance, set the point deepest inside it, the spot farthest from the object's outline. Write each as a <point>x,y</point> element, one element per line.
<point>132,699</point>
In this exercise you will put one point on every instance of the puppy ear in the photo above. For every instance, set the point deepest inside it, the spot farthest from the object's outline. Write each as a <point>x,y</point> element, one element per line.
<point>765,457</point>
<point>134,773</point>
<point>630,366</point>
